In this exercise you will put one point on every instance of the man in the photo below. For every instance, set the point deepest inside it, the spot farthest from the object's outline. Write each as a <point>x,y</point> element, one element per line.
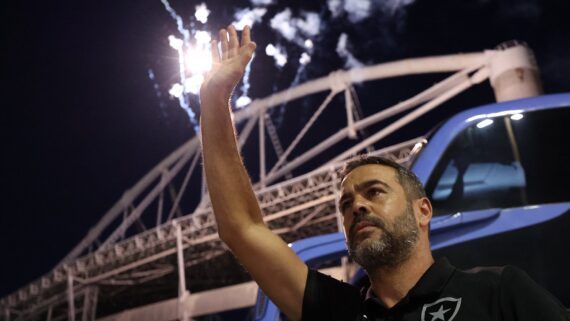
<point>386,220</point>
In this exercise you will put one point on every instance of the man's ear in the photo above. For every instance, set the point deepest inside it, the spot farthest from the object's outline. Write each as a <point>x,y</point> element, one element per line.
<point>425,211</point>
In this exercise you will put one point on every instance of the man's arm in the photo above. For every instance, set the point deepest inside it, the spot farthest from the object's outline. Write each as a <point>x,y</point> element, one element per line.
<point>271,263</point>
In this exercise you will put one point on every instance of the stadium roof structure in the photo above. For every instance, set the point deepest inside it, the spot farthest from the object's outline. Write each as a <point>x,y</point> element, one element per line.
<point>126,262</point>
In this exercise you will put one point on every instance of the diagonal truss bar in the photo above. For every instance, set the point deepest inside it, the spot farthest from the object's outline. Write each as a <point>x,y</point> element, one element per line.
<point>262,158</point>
<point>146,201</point>
<point>430,93</point>
<point>274,137</point>
<point>244,134</point>
<point>184,184</point>
<point>447,63</point>
<point>304,130</point>
<point>128,198</point>
<point>477,78</point>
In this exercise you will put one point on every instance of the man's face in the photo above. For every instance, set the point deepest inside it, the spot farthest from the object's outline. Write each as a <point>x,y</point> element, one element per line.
<point>379,220</point>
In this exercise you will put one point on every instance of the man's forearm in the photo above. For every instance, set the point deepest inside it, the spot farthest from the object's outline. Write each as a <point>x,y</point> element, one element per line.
<point>234,203</point>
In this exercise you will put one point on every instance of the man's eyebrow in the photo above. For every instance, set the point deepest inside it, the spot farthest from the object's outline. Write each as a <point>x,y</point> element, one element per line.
<point>362,186</point>
<point>371,182</point>
<point>344,197</point>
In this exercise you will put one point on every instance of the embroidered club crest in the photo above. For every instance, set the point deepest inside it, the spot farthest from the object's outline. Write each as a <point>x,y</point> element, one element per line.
<point>444,309</point>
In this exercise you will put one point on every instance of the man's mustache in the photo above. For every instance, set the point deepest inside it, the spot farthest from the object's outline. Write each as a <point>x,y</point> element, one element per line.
<point>369,219</point>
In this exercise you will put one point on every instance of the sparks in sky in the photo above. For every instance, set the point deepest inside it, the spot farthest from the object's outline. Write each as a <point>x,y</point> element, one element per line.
<point>202,13</point>
<point>300,29</point>
<point>342,51</point>
<point>178,45</point>
<point>278,53</point>
<point>247,17</point>
<point>194,50</point>
<point>195,58</point>
<point>305,58</point>
<point>197,61</point>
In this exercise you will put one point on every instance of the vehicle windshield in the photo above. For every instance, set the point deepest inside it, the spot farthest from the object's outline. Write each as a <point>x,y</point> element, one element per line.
<point>509,161</point>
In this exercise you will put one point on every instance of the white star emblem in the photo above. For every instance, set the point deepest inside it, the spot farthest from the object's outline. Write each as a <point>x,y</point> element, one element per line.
<point>439,314</point>
<point>452,304</point>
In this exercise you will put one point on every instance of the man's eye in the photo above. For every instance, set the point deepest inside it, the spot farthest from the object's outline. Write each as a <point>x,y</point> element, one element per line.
<point>343,206</point>
<point>374,192</point>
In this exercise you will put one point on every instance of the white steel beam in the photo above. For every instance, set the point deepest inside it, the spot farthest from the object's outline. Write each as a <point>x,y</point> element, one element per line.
<point>182,292</point>
<point>128,198</point>
<point>426,95</point>
<point>324,104</point>
<point>70,298</point>
<point>262,158</point>
<point>447,63</point>
<point>184,184</point>
<point>134,215</point>
<point>478,77</point>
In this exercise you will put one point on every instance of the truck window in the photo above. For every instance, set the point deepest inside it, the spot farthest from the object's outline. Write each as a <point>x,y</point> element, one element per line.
<point>508,161</point>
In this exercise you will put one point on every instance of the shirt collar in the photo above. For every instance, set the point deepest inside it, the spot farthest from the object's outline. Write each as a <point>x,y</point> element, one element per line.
<point>432,282</point>
<point>434,279</point>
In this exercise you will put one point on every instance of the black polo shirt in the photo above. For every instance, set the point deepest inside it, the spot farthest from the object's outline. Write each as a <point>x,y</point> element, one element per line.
<point>443,293</point>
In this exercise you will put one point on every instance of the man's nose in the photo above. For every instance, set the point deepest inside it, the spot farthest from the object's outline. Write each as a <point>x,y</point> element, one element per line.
<point>360,209</point>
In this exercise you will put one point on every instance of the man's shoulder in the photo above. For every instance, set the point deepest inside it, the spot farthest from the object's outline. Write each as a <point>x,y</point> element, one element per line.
<point>327,281</point>
<point>483,271</point>
<point>480,277</point>
<point>491,276</point>
<point>508,290</point>
<point>491,272</point>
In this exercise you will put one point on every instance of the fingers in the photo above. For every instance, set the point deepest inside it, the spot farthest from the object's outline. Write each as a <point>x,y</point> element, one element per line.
<point>230,45</point>
<point>224,43</point>
<point>246,52</point>
<point>233,42</point>
<point>245,36</point>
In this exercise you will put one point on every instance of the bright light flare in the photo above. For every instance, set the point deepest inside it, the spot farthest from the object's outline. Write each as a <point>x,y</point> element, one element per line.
<point>517,117</point>
<point>203,38</point>
<point>194,52</point>
<point>198,61</point>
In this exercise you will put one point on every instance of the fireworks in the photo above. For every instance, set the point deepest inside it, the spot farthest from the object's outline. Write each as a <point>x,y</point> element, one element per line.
<point>299,29</point>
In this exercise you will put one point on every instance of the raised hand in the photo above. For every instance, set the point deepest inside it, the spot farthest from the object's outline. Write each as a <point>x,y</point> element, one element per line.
<point>229,65</point>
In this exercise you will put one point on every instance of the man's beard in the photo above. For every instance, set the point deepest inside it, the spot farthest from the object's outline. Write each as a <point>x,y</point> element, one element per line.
<point>394,246</point>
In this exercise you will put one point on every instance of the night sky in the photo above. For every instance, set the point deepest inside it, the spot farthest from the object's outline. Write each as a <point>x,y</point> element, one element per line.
<point>82,121</point>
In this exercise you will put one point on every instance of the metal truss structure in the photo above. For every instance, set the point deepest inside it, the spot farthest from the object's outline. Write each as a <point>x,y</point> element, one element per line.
<point>147,249</point>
